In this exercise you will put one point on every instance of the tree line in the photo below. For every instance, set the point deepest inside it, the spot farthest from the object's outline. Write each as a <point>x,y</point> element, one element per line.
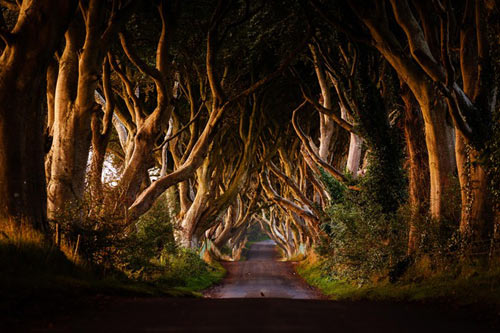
<point>238,113</point>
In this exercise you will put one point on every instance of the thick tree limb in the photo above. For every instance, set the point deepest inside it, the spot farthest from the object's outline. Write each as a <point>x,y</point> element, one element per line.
<point>108,96</point>
<point>416,39</point>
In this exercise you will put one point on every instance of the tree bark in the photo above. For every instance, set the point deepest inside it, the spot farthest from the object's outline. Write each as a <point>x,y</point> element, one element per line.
<point>187,226</point>
<point>418,168</point>
<point>79,71</point>
<point>432,106</point>
<point>23,65</point>
<point>471,174</point>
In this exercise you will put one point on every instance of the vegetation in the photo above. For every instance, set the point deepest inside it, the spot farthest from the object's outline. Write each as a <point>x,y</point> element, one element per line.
<point>143,262</point>
<point>467,285</point>
<point>137,136</point>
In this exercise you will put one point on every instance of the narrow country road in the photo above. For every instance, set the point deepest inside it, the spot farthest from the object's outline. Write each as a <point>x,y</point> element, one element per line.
<point>262,275</point>
<point>237,305</point>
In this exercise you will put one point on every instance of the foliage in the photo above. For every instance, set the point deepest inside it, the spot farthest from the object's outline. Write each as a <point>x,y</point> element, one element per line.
<point>185,270</point>
<point>255,234</point>
<point>461,284</point>
<point>335,189</point>
<point>24,251</point>
<point>363,242</point>
<point>491,159</point>
<point>92,232</point>
<point>34,270</point>
<point>366,233</point>
<point>145,251</point>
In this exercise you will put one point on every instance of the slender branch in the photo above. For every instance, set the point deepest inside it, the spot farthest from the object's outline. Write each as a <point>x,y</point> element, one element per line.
<point>6,36</point>
<point>354,33</point>
<point>284,65</point>
<point>305,141</point>
<point>295,189</point>
<point>185,127</point>
<point>108,95</point>
<point>116,20</point>
<point>152,72</point>
<point>330,113</point>
<point>279,200</point>
<point>137,114</point>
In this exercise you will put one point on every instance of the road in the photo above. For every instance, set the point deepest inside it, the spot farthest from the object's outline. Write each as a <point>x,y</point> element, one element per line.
<point>287,306</point>
<point>262,275</point>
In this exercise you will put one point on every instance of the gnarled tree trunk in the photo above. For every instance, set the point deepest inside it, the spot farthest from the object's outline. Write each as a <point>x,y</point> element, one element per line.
<point>23,65</point>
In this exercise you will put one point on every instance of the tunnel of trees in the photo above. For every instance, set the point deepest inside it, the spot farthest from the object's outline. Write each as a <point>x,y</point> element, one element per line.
<point>366,132</point>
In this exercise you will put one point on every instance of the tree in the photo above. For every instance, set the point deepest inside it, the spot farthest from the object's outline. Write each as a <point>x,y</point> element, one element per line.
<point>26,51</point>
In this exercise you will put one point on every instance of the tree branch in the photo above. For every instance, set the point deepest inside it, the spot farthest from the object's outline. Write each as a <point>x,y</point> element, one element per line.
<point>152,72</point>
<point>305,141</point>
<point>185,127</point>
<point>11,5</point>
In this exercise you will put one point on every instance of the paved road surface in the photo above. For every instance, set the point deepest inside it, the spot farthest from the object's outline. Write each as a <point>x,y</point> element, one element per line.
<point>262,275</point>
<point>259,314</point>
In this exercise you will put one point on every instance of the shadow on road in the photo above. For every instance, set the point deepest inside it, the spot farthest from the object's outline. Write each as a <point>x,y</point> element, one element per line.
<point>237,305</point>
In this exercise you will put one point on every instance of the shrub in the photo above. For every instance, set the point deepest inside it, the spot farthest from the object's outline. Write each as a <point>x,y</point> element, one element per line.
<point>144,253</point>
<point>367,235</point>
<point>363,240</point>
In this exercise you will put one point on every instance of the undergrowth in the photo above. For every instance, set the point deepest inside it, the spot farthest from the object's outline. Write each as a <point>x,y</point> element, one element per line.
<point>89,258</point>
<point>463,285</point>
<point>364,253</point>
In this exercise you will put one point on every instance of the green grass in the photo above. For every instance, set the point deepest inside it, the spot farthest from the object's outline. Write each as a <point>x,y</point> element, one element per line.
<point>194,283</point>
<point>479,287</point>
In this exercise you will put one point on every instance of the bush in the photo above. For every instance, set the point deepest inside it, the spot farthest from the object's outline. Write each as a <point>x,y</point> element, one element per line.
<point>367,235</point>
<point>184,269</point>
<point>92,233</point>
<point>145,252</point>
<point>363,242</point>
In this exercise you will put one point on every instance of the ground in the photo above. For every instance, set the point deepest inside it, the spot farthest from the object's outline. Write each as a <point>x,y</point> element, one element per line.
<point>262,275</point>
<point>279,310</point>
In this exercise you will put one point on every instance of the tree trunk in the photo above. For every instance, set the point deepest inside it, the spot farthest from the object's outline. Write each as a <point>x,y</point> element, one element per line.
<point>471,174</point>
<point>23,66</point>
<point>441,163</point>
<point>432,106</point>
<point>79,72</point>
<point>355,149</point>
<point>74,103</point>
<point>473,191</point>
<point>187,226</point>
<point>418,168</point>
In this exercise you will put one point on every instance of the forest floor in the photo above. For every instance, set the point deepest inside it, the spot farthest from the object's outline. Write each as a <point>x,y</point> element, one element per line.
<point>279,310</point>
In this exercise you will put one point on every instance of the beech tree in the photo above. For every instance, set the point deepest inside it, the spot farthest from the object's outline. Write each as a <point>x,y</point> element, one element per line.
<point>235,121</point>
<point>26,50</point>
<point>91,31</point>
<point>428,69</point>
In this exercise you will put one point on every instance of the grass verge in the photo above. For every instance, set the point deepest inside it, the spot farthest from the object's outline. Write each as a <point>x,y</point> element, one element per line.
<point>464,289</point>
